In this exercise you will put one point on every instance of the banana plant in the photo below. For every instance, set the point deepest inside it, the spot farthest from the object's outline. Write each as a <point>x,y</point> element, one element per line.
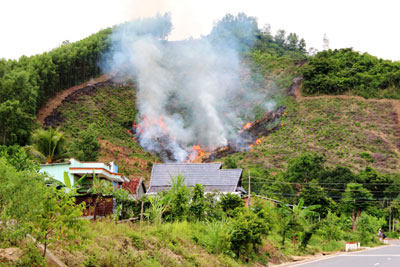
<point>299,216</point>
<point>69,185</point>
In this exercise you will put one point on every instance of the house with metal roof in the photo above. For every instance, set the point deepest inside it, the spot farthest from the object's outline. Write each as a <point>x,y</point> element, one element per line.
<point>76,169</point>
<point>210,175</point>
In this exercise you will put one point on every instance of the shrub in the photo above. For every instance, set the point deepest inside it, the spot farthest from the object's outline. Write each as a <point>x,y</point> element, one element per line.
<point>86,147</point>
<point>394,235</point>
<point>137,241</point>
<point>247,232</point>
<point>230,202</point>
<point>331,228</point>
<point>367,228</point>
<point>215,236</point>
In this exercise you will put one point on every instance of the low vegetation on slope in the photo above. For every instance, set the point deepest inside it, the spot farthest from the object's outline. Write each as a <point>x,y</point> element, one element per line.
<point>170,244</point>
<point>110,111</point>
<point>352,132</point>
<point>346,71</point>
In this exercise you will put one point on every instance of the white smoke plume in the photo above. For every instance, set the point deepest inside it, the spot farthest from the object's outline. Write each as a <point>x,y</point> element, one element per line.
<point>188,92</point>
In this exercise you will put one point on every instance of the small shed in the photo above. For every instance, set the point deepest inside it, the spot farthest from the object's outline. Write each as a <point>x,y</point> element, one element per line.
<point>135,186</point>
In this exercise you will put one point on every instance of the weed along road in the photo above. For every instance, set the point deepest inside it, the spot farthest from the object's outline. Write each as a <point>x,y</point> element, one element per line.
<point>387,256</point>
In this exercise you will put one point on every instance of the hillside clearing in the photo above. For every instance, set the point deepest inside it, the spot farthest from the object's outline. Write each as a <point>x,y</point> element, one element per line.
<point>351,131</point>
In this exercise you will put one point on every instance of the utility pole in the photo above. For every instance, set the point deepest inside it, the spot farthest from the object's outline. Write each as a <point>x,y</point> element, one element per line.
<point>249,193</point>
<point>141,214</point>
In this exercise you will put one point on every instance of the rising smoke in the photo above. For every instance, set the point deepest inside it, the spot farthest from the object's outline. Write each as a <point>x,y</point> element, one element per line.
<point>189,92</point>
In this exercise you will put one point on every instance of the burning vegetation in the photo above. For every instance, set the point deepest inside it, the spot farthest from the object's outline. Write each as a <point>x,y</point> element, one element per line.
<point>248,136</point>
<point>193,96</point>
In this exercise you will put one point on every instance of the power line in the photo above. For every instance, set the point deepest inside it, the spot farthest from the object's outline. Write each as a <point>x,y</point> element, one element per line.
<point>341,199</point>
<point>272,181</point>
<point>336,189</point>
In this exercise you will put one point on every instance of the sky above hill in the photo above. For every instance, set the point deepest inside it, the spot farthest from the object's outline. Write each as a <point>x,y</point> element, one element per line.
<point>31,27</point>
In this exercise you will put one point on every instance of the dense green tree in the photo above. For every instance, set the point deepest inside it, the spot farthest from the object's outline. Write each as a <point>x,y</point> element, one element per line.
<point>280,38</point>
<point>278,188</point>
<point>316,195</point>
<point>367,227</point>
<point>292,42</point>
<point>198,203</point>
<point>356,199</point>
<point>375,182</point>
<point>26,84</point>
<point>17,157</point>
<point>42,211</point>
<point>15,124</point>
<point>247,231</point>
<point>19,85</point>
<point>86,147</point>
<point>302,46</point>
<point>343,70</point>
<point>305,168</point>
<point>331,227</point>
<point>178,198</point>
<point>238,31</point>
<point>336,179</point>
<point>230,163</point>
<point>230,202</point>
<point>58,218</point>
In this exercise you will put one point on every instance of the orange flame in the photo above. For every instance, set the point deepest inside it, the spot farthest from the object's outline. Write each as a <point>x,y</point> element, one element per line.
<point>149,122</point>
<point>162,125</point>
<point>247,126</point>
<point>199,150</point>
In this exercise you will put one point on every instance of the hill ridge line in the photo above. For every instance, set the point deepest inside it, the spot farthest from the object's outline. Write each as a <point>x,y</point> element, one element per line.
<point>53,103</point>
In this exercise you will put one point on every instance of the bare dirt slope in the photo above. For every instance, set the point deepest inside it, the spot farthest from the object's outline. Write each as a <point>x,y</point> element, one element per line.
<point>56,101</point>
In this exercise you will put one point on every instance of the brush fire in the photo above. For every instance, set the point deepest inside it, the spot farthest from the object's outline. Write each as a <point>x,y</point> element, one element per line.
<point>249,137</point>
<point>193,97</point>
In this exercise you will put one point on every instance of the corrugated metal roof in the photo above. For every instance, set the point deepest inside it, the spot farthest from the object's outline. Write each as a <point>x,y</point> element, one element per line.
<point>208,174</point>
<point>207,188</point>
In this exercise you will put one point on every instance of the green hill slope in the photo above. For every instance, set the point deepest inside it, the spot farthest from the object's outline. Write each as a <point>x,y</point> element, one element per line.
<point>351,132</point>
<point>110,107</point>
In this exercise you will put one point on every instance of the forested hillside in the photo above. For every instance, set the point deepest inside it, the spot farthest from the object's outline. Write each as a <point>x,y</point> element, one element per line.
<point>28,83</point>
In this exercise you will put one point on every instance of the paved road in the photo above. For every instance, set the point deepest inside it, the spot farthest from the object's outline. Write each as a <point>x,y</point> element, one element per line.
<point>387,256</point>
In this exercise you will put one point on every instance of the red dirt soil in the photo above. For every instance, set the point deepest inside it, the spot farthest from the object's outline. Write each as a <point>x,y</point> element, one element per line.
<point>53,103</point>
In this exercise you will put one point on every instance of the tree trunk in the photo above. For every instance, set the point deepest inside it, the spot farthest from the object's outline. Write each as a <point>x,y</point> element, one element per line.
<point>45,245</point>
<point>294,235</point>
<point>393,223</point>
<point>4,138</point>
<point>284,236</point>
<point>354,216</point>
<point>94,201</point>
